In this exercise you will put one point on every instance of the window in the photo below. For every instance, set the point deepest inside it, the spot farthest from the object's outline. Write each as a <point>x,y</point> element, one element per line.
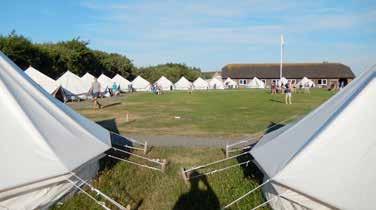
<point>242,82</point>
<point>264,81</point>
<point>322,82</point>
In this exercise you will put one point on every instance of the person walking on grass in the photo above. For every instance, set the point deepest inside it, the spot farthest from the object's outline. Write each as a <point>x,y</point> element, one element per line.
<point>288,93</point>
<point>95,90</point>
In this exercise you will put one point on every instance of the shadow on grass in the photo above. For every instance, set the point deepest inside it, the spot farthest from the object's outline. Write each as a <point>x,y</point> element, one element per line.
<point>197,198</point>
<point>110,105</point>
<point>250,170</point>
<point>117,141</point>
<point>274,100</point>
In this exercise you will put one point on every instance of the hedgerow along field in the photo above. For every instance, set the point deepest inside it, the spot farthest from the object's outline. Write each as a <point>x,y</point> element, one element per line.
<point>214,113</point>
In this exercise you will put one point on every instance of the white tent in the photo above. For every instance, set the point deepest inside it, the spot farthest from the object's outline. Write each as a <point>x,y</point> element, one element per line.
<point>200,84</point>
<point>230,83</point>
<point>106,83</point>
<point>215,83</point>
<point>122,82</point>
<point>87,80</point>
<point>164,83</point>
<point>43,141</point>
<point>305,82</point>
<point>327,159</point>
<point>72,85</point>
<point>48,84</point>
<point>140,84</point>
<point>183,84</point>
<point>255,83</point>
<point>282,81</point>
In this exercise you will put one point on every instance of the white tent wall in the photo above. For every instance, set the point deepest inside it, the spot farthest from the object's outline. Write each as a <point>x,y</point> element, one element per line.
<point>35,150</point>
<point>44,194</point>
<point>122,82</point>
<point>164,83</point>
<point>106,83</point>
<point>215,83</point>
<point>48,84</point>
<point>255,83</point>
<point>329,155</point>
<point>141,84</point>
<point>230,83</point>
<point>200,84</point>
<point>72,85</point>
<point>282,81</point>
<point>286,199</point>
<point>183,84</point>
<point>87,80</point>
<point>305,82</point>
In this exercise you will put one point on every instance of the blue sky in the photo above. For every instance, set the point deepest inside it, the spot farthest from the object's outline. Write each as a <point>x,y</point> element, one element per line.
<point>205,34</point>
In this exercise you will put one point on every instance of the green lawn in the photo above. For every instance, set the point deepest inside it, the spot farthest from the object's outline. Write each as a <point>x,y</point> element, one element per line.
<point>206,113</point>
<point>213,113</point>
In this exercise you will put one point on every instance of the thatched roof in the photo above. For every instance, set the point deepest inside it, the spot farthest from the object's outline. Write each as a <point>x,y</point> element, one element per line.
<point>290,71</point>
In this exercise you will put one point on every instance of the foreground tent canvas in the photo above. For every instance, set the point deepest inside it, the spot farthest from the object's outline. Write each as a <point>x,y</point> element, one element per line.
<point>38,156</point>
<point>256,83</point>
<point>164,83</point>
<point>48,84</point>
<point>140,84</point>
<point>200,84</point>
<point>215,83</point>
<point>72,85</point>
<point>122,82</point>
<point>327,159</point>
<point>183,84</point>
<point>230,83</point>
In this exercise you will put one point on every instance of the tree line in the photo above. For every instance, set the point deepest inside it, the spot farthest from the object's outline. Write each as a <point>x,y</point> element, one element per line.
<point>54,59</point>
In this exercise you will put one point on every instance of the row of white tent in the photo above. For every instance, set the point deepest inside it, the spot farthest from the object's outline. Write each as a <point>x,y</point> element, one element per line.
<point>74,86</point>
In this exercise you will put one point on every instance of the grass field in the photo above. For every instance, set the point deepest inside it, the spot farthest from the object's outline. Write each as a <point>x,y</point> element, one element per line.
<point>213,113</point>
<point>206,113</point>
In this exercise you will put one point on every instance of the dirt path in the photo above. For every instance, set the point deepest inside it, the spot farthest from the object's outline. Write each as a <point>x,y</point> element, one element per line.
<point>185,141</point>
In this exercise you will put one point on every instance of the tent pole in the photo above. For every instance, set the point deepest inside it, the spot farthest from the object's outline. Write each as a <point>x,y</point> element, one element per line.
<point>92,188</point>
<point>243,196</point>
<point>90,196</point>
<point>268,201</point>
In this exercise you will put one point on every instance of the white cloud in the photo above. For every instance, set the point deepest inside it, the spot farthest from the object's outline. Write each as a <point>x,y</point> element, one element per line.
<point>164,30</point>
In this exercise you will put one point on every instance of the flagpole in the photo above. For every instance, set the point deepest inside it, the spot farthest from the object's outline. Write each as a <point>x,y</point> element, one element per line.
<point>280,67</point>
